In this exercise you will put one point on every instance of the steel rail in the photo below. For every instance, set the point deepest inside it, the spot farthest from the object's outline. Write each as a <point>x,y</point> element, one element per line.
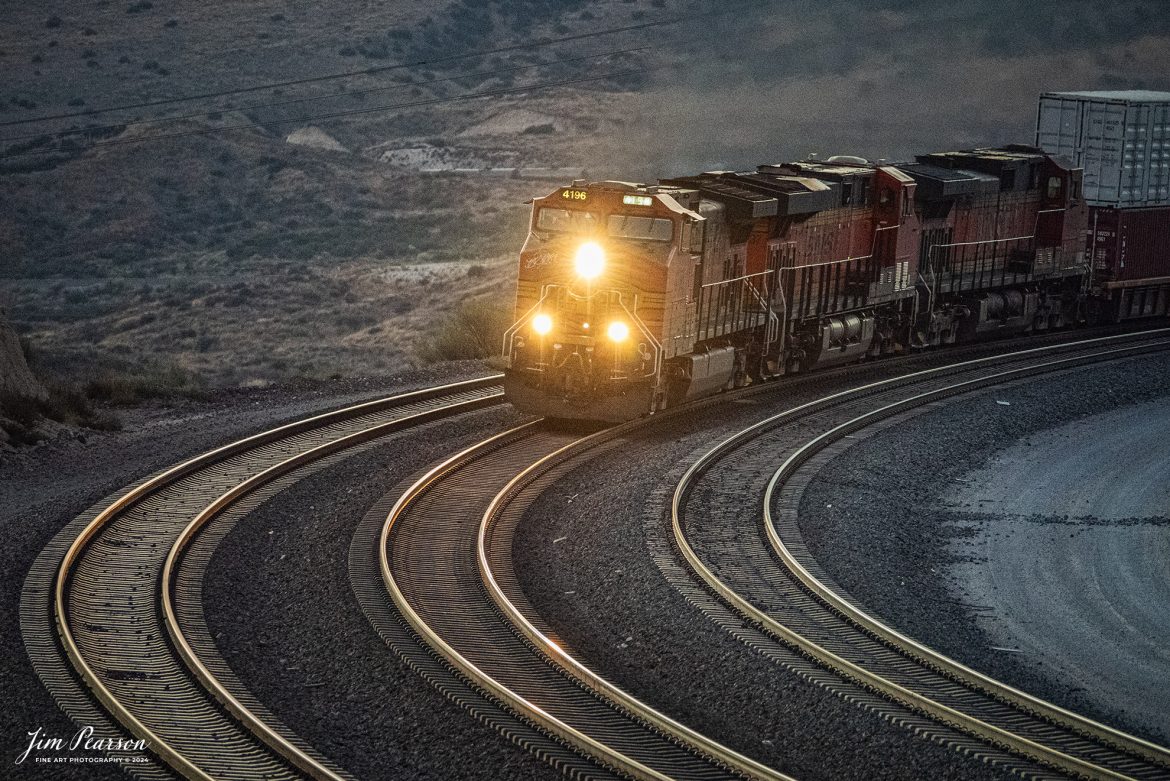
<point>255,724</point>
<point>668,726</point>
<point>670,731</point>
<point>955,669</point>
<point>123,713</point>
<point>850,670</point>
<point>62,574</point>
<point>528,710</point>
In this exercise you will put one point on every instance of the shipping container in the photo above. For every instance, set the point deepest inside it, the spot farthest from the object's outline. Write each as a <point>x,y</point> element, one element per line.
<point>1121,139</point>
<point>1130,251</point>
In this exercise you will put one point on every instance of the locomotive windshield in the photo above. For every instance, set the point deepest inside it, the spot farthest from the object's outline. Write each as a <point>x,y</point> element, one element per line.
<point>563,220</point>
<point>626,226</point>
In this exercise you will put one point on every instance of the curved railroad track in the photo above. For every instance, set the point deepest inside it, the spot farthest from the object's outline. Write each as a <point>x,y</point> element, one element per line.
<point>112,617</point>
<point>111,612</point>
<point>438,556</point>
<point>799,608</point>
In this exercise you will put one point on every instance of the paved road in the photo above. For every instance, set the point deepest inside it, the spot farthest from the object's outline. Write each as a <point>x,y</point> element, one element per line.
<point>1071,555</point>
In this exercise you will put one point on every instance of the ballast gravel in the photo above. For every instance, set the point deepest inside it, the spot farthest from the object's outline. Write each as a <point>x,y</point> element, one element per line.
<point>882,520</point>
<point>283,613</point>
<point>581,554</point>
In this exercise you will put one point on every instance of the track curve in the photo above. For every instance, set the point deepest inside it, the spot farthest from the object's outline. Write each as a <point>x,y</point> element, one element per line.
<point>802,612</point>
<point>431,566</point>
<point>112,589</point>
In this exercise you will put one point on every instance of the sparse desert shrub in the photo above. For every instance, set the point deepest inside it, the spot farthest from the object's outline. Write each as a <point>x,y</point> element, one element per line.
<point>53,22</point>
<point>474,330</point>
<point>68,404</point>
<point>374,50</point>
<point>20,415</point>
<point>151,381</point>
<point>139,7</point>
<point>400,305</point>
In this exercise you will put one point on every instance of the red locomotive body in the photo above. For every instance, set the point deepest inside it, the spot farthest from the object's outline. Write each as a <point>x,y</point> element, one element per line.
<point>1002,241</point>
<point>632,297</point>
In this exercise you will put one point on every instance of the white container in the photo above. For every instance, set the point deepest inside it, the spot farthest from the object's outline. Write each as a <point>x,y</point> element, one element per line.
<point>1121,139</point>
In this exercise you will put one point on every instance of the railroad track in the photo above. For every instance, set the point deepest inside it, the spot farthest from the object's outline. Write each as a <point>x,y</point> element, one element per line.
<point>111,611</point>
<point>439,552</point>
<point>112,616</point>
<point>798,607</point>
<point>444,557</point>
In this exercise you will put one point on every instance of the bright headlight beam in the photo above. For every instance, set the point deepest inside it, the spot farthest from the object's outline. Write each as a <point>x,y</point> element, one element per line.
<point>590,260</point>
<point>618,331</point>
<point>542,324</point>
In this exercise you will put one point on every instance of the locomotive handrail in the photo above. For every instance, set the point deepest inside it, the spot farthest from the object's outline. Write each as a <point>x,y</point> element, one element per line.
<point>703,323</point>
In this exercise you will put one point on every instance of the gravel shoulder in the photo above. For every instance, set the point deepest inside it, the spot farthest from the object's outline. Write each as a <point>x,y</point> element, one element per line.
<point>283,613</point>
<point>1021,530</point>
<point>582,554</point>
<point>42,488</point>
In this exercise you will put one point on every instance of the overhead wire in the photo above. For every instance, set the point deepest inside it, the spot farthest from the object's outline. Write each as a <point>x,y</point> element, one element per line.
<point>376,69</point>
<point>336,114</point>
<point>120,126</point>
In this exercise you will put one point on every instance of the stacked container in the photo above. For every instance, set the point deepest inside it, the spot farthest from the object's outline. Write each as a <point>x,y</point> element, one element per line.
<point>1121,139</point>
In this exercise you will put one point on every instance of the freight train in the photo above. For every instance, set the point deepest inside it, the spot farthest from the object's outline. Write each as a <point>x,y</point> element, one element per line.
<point>633,298</point>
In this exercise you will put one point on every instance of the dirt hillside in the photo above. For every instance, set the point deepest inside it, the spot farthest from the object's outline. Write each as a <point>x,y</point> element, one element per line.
<point>15,377</point>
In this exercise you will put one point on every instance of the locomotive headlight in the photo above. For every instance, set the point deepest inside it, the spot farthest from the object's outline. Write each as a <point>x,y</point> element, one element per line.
<point>542,324</point>
<point>618,331</point>
<point>590,260</point>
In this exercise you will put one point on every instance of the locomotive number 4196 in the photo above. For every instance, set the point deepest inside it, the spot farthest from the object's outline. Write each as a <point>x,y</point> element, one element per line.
<point>574,195</point>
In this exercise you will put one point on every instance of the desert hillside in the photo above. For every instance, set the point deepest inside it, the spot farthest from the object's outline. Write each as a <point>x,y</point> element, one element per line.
<point>232,194</point>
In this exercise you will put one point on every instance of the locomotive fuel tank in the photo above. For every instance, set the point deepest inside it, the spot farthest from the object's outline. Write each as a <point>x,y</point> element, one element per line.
<point>840,339</point>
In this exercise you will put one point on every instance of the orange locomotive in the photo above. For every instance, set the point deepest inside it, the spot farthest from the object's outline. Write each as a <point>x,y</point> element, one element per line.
<point>632,298</point>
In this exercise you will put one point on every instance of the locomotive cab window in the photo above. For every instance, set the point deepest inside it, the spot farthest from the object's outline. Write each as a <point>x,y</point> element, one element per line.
<point>1053,186</point>
<point>624,226</point>
<point>562,220</point>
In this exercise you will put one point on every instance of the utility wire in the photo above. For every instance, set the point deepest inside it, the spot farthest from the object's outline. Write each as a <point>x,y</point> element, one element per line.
<point>377,69</point>
<point>119,126</point>
<point>339,114</point>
